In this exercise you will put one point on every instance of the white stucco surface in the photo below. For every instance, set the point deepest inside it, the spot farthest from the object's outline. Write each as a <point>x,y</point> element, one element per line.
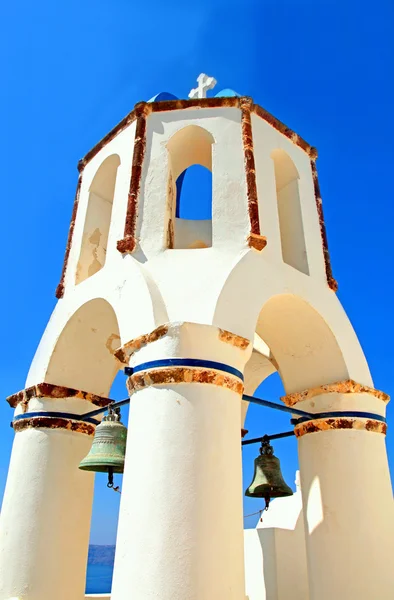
<point>180,530</point>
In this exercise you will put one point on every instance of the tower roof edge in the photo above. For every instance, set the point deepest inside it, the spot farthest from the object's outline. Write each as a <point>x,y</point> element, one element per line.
<point>199,103</point>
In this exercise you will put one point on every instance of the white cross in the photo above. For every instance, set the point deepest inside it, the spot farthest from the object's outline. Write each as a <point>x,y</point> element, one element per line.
<point>205,83</point>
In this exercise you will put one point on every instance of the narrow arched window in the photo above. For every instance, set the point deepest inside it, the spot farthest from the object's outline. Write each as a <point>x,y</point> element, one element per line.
<point>289,211</point>
<point>190,188</point>
<point>98,220</point>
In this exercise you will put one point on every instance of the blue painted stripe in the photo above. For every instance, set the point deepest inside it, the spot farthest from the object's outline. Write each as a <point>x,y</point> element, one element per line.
<point>184,362</point>
<point>340,414</point>
<point>57,415</point>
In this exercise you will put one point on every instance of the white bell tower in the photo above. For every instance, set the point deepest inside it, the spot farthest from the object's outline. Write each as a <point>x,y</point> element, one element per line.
<point>202,310</point>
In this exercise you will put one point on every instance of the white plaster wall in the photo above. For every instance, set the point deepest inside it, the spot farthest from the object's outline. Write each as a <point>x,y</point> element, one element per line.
<point>349,514</point>
<point>45,517</point>
<point>275,553</point>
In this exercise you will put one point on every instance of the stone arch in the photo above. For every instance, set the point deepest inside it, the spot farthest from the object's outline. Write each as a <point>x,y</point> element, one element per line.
<point>304,348</point>
<point>309,335</point>
<point>98,219</point>
<point>190,146</point>
<point>83,357</point>
<point>289,211</point>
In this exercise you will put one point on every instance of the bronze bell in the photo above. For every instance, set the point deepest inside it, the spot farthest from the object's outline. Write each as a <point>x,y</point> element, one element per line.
<point>267,481</point>
<point>108,450</point>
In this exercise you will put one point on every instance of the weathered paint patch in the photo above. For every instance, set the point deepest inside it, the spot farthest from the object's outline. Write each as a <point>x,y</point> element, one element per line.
<point>124,353</point>
<point>142,110</point>
<point>168,105</point>
<point>348,386</point>
<point>60,288</point>
<point>250,167</point>
<point>233,339</point>
<point>340,423</point>
<point>49,390</point>
<point>258,242</point>
<point>332,283</point>
<point>112,343</point>
<point>54,423</point>
<point>164,376</point>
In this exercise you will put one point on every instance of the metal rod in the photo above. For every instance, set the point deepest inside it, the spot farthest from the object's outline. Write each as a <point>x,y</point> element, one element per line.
<point>98,411</point>
<point>251,399</point>
<point>281,407</point>
<point>275,436</point>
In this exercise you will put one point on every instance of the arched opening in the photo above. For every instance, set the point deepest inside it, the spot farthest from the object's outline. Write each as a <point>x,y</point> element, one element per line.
<point>105,515</point>
<point>98,220</point>
<point>289,211</point>
<point>302,353</point>
<point>190,188</point>
<point>83,357</point>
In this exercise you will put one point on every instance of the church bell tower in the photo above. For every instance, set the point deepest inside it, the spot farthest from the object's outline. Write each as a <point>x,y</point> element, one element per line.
<point>202,311</point>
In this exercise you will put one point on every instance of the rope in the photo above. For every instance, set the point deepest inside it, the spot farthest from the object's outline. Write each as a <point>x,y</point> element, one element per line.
<point>259,512</point>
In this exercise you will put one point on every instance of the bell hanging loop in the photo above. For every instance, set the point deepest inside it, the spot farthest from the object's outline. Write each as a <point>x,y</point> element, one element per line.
<point>268,480</point>
<point>107,454</point>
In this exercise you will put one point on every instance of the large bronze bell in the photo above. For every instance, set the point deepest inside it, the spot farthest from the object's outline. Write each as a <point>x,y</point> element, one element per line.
<point>108,450</point>
<point>267,481</point>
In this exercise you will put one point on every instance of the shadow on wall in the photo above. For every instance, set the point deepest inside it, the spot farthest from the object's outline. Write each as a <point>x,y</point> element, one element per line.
<point>98,219</point>
<point>289,212</point>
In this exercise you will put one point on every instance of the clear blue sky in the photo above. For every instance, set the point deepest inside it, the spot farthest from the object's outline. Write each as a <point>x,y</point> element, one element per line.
<point>71,70</point>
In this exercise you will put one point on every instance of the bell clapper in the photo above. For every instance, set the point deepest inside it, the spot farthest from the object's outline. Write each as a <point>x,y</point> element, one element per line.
<point>110,483</point>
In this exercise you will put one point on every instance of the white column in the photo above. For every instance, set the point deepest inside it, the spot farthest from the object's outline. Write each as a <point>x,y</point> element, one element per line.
<point>348,503</point>
<point>46,512</point>
<point>180,534</point>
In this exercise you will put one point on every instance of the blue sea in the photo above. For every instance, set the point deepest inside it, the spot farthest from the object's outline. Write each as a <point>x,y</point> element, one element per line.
<point>99,579</point>
<point>100,568</point>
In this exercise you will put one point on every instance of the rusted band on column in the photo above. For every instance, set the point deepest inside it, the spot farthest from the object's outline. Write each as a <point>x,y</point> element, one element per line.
<point>60,288</point>
<point>339,422</point>
<point>124,353</point>
<point>128,243</point>
<point>232,338</point>
<point>172,375</point>
<point>54,423</point>
<point>332,283</point>
<point>255,240</point>
<point>348,386</point>
<point>49,390</point>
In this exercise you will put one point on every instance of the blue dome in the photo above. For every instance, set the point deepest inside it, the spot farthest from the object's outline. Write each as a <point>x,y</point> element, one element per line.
<point>227,93</point>
<point>163,96</point>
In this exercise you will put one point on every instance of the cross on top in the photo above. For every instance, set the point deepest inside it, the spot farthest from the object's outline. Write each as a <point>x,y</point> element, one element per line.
<point>205,83</point>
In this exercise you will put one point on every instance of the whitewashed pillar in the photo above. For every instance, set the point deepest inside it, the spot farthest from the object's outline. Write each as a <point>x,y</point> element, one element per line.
<point>180,532</point>
<point>347,498</point>
<point>46,512</point>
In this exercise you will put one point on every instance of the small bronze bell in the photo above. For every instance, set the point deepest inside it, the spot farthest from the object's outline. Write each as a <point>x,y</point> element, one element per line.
<point>108,450</point>
<point>267,481</point>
